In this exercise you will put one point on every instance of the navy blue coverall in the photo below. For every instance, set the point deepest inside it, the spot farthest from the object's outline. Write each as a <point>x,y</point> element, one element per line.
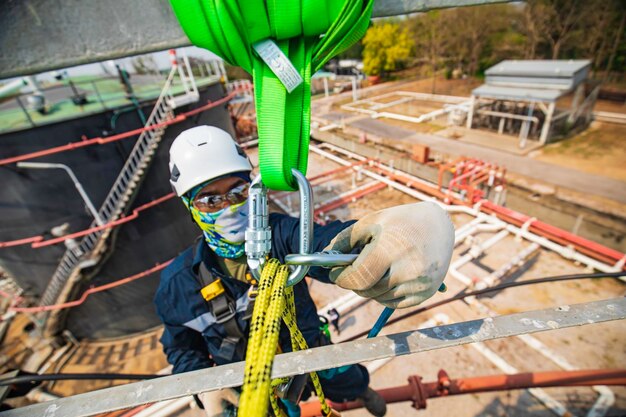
<point>191,339</point>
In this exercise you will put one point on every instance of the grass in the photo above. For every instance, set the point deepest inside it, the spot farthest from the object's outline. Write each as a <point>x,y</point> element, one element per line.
<point>600,150</point>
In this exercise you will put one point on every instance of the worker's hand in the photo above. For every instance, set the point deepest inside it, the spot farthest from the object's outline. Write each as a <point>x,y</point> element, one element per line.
<point>216,402</point>
<point>405,253</point>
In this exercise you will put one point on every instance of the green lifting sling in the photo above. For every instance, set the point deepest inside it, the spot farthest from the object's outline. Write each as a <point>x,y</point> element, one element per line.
<point>308,32</point>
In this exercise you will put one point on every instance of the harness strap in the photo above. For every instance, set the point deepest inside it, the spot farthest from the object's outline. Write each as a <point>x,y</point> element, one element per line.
<point>307,32</point>
<point>224,309</point>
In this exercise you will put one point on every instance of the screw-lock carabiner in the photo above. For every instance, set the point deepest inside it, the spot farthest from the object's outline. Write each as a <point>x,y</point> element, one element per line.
<point>259,236</point>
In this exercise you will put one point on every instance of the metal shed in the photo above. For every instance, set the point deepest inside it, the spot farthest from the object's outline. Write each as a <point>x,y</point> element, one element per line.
<point>521,97</point>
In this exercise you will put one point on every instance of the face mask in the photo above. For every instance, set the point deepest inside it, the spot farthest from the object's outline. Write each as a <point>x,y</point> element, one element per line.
<point>224,230</point>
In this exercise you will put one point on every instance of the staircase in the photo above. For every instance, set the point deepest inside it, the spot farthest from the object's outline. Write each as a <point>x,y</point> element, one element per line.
<point>87,253</point>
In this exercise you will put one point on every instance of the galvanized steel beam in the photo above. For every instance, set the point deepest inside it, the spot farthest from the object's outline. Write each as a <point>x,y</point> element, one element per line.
<point>180,385</point>
<point>43,35</point>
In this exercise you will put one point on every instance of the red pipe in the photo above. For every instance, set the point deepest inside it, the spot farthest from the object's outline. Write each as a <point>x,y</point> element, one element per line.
<point>101,141</point>
<point>323,175</point>
<point>121,220</point>
<point>418,392</point>
<point>589,248</point>
<point>338,170</point>
<point>90,291</point>
<point>457,180</point>
<point>18,242</point>
<point>38,241</point>
<point>324,208</point>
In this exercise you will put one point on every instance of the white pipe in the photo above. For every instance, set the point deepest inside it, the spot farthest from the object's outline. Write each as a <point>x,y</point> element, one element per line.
<point>358,157</point>
<point>474,253</point>
<point>345,303</point>
<point>165,408</point>
<point>40,396</point>
<point>491,279</point>
<point>12,86</point>
<point>77,184</point>
<point>461,235</point>
<point>564,251</point>
<point>424,117</point>
<point>430,97</point>
<point>461,231</point>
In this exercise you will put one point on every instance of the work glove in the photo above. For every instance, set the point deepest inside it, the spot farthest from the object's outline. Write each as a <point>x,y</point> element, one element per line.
<point>218,403</point>
<point>405,253</point>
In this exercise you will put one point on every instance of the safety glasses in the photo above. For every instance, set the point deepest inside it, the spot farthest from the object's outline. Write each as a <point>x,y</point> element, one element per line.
<point>211,203</point>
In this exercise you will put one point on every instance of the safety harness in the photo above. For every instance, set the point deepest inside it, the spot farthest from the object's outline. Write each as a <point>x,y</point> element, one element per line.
<point>223,306</point>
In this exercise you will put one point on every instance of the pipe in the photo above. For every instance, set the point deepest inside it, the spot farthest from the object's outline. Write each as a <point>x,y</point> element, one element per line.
<point>561,236</point>
<point>102,141</point>
<point>606,397</point>
<point>165,408</point>
<point>472,254</point>
<point>93,290</point>
<point>115,223</point>
<point>418,392</point>
<point>599,252</point>
<point>345,198</point>
<point>518,259</point>
<point>461,234</point>
<point>77,184</point>
<point>555,406</point>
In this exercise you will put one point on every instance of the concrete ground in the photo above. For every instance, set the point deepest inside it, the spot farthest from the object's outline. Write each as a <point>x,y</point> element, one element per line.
<point>484,138</point>
<point>559,175</point>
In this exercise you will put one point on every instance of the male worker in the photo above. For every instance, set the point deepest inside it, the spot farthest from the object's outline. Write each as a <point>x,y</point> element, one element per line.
<point>204,296</point>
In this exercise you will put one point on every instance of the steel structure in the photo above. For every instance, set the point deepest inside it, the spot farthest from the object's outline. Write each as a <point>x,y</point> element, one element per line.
<point>514,88</point>
<point>43,35</point>
<point>332,356</point>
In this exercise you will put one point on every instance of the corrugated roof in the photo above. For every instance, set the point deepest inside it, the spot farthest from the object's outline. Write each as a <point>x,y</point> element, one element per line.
<point>539,68</point>
<point>514,93</point>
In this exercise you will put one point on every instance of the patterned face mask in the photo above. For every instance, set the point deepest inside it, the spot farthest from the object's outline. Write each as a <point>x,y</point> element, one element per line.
<point>224,230</point>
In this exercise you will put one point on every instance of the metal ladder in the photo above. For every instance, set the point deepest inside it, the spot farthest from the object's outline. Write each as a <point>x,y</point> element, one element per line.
<point>88,251</point>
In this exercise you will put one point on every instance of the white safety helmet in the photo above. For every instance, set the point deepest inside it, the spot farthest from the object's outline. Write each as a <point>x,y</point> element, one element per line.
<point>201,154</point>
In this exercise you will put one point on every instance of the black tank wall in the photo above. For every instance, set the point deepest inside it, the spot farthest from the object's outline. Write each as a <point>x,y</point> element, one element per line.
<point>33,201</point>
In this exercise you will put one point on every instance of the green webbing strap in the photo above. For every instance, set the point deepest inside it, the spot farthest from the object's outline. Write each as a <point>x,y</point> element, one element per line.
<point>308,32</point>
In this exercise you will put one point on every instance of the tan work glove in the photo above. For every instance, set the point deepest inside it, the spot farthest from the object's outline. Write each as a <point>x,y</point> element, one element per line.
<point>216,402</point>
<point>405,254</point>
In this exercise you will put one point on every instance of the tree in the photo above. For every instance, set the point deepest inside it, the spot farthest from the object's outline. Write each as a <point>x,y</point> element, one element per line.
<point>431,40</point>
<point>563,17</point>
<point>535,25</point>
<point>385,47</point>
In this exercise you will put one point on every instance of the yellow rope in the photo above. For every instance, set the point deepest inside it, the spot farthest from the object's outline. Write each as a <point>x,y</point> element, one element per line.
<point>273,302</point>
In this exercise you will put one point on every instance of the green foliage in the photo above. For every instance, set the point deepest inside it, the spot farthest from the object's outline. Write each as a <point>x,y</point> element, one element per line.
<point>386,46</point>
<point>470,39</point>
